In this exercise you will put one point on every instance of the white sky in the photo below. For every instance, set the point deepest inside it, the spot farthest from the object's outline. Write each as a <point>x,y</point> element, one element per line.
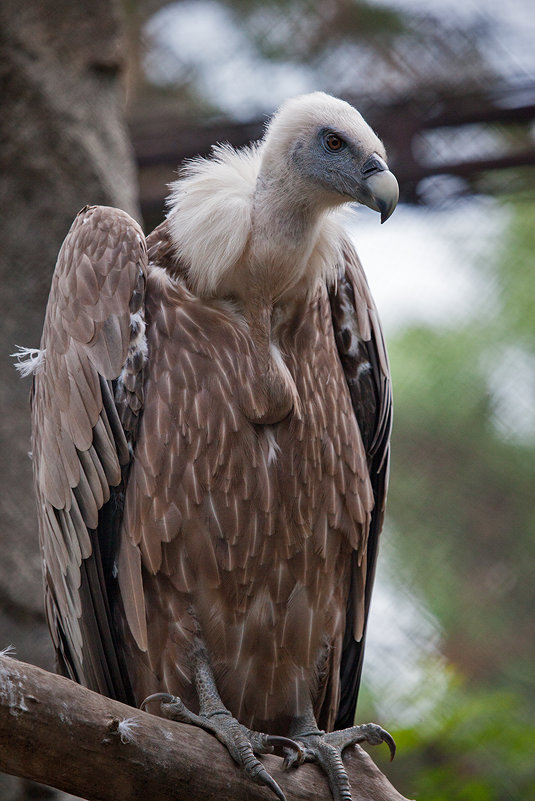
<point>201,35</point>
<point>422,264</point>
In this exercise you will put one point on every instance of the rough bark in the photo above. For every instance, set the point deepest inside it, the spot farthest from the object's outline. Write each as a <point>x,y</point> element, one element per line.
<point>54,731</point>
<point>62,145</point>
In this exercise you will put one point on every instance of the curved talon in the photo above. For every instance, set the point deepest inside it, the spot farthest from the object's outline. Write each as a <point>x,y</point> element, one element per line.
<point>288,744</point>
<point>243,752</point>
<point>292,759</point>
<point>366,733</point>
<point>326,750</point>
<point>375,735</point>
<point>169,699</point>
<point>173,708</point>
<point>265,778</point>
<point>391,743</point>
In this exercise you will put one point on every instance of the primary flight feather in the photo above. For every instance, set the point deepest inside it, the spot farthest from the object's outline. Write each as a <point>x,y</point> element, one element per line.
<point>211,421</point>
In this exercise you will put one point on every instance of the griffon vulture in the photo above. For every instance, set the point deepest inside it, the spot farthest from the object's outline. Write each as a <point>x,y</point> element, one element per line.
<point>211,418</point>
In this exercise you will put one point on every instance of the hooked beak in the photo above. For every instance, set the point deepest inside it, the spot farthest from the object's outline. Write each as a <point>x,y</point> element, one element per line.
<point>379,185</point>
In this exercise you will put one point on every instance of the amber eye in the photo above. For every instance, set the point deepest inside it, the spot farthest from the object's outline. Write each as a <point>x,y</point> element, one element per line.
<point>333,142</point>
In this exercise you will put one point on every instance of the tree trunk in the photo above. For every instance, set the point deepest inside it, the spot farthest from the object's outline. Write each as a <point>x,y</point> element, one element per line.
<point>62,145</point>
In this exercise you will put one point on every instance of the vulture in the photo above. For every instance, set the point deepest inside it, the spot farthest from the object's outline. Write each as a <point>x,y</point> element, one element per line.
<point>211,413</point>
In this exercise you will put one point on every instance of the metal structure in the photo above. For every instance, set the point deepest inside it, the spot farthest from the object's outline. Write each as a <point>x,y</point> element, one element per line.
<point>496,124</point>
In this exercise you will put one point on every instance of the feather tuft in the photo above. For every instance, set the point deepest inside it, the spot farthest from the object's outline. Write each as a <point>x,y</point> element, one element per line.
<point>210,208</point>
<point>273,446</point>
<point>126,730</point>
<point>29,361</point>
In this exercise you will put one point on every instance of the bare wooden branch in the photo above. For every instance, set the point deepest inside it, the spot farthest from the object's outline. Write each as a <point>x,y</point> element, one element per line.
<point>56,732</point>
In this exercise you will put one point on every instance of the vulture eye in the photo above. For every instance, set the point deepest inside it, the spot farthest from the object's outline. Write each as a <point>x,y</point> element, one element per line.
<point>333,142</point>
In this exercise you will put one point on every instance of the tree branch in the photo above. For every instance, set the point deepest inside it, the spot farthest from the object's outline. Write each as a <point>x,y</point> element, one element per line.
<point>55,732</point>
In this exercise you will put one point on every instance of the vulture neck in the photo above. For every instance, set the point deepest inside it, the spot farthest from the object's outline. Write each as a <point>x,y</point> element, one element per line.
<point>285,225</point>
<point>257,233</point>
<point>276,275</point>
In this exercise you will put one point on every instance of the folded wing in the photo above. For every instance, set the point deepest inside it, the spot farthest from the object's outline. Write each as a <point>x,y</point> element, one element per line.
<point>86,399</point>
<point>362,352</point>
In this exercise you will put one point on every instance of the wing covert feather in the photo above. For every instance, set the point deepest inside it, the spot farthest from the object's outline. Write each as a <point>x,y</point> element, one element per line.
<point>80,435</point>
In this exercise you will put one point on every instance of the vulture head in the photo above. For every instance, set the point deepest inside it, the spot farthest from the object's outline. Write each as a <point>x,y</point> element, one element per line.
<point>258,219</point>
<point>334,155</point>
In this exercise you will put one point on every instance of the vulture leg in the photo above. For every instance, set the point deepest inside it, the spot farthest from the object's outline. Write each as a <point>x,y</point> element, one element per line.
<point>326,749</point>
<point>241,743</point>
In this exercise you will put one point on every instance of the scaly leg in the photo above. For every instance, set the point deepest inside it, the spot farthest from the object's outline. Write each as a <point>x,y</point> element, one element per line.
<point>326,749</point>
<point>241,743</point>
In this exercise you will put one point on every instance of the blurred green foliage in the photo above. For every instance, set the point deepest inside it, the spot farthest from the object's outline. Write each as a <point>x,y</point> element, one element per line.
<point>302,30</point>
<point>477,747</point>
<point>462,502</point>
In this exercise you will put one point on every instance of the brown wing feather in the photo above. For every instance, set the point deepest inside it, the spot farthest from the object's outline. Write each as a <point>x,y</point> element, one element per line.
<point>363,355</point>
<point>80,438</point>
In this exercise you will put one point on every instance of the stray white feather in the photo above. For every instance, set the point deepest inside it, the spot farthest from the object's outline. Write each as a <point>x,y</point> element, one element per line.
<point>8,651</point>
<point>126,729</point>
<point>29,361</point>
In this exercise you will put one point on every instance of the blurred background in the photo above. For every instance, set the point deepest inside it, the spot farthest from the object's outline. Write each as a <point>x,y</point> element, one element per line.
<point>100,103</point>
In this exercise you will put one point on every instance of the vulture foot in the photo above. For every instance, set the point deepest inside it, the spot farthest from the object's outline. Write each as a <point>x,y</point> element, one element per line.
<point>241,743</point>
<point>326,750</point>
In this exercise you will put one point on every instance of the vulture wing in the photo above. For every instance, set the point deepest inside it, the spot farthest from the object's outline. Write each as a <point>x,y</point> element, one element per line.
<point>85,401</point>
<point>362,352</point>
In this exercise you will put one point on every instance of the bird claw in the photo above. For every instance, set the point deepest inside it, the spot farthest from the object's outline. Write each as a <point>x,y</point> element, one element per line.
<point>289,746</point>
<point>375,735</point>
<point>156,697</point>
<point>370,733</point>
<point>292,759</point>
<point>329,757</point>
<point>259,775</point>
<point>173,708</point>
<point>326,750</point>
<point>241,743</point>
<point>311,746</point>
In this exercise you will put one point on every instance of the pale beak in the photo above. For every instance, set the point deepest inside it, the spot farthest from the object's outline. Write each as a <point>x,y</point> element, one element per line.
<point>381,190</point>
